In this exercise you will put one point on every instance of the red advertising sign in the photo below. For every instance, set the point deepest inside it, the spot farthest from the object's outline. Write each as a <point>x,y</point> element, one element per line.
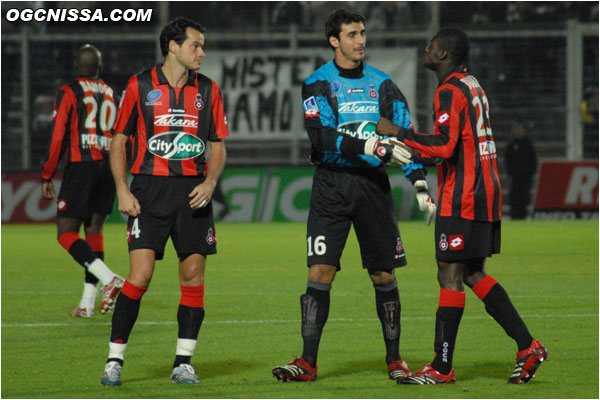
<point>22,200</point>
<point>567,189</point>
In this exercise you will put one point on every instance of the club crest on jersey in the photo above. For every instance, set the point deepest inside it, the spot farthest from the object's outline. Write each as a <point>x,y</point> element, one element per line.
<point>335,87</point>
<point>210,238</point>
<point>372,92</point>
<point>176,146</point>
<point>444,118</point>
<point>62,205</point>
<point>443,242</point>
<point>199,104</point>
<point>152,97</point>
<point>311,109</point>
<point>457,242</point>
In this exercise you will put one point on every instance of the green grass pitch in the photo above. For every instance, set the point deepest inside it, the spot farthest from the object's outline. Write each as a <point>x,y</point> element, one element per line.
<point>549,268</point>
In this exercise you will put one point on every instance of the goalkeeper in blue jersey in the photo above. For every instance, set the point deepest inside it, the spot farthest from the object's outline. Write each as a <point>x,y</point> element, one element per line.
<point>343,100</point>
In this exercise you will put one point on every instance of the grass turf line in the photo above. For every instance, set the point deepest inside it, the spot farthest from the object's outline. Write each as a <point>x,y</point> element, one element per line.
<point>549,268</point>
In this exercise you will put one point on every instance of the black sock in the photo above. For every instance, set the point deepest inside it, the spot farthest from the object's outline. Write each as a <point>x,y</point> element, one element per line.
<point>82,252</point>
<point>314,306</point>
<point>124,317</point>
<point>447,320</point>
<point>189,320</point>
<point>89,278</point>
<point>498,305</point>
<point>388,305</point>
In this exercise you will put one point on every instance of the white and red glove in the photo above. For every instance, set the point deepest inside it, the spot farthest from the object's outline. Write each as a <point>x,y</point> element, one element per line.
<point>424,199</point>
<point>387,152</point>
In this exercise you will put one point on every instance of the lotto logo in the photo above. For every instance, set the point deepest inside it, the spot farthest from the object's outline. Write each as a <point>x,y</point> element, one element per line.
<point>457,242</point>
<point>443,118</point>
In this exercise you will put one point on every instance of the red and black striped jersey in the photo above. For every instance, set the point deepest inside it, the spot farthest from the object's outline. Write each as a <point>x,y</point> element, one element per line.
<point>170,127</point>
<point>84,115</point>
<point>468,181</point>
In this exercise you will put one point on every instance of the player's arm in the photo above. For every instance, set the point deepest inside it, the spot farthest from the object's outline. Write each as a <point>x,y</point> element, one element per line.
<point>125,126</point>
<point>202,194</point>
<point>128,204</point>
<point>448,106</point>
<point>394,104</point>
<point>320,122</point>
<point>64,104</point>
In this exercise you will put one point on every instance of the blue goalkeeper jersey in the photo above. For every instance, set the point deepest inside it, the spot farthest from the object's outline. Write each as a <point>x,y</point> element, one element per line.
<point>339,102</point>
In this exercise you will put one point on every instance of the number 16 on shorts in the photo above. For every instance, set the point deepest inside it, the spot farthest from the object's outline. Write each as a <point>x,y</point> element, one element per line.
<point>318,247</point>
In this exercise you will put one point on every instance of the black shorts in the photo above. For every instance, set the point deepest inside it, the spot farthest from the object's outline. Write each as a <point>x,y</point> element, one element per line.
<point>361,197</point>
<point>463,239</point>
<point>87,188</point>
<point>166,212</point>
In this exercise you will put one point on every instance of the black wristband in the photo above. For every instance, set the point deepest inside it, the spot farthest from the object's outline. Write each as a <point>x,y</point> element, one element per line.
<point>417,175</point>
<point>351,146</point>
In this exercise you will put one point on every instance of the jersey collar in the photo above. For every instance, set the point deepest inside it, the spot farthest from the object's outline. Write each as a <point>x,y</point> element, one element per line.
<point>161,79</point>
<point>354,73</point>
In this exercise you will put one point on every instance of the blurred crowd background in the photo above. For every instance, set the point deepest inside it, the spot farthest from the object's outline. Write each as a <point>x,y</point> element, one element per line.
<point>538,62</point>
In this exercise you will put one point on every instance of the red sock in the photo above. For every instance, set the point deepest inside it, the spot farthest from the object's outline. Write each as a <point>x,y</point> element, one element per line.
<point>192,296</point>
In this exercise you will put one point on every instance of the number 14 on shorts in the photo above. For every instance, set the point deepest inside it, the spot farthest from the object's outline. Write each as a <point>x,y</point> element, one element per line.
<point>134,230</point>
<point>318,246</point>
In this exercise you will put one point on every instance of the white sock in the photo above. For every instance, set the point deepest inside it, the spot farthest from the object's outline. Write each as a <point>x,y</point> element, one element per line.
<point>185,347</point>
<point>89,295</point>
<point>116,350</point>
<point>101,271</point>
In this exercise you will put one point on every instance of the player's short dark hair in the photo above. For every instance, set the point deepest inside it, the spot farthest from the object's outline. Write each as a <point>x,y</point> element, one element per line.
<point>455,42</point>
<point>175,30</point>
<point>333,26</point>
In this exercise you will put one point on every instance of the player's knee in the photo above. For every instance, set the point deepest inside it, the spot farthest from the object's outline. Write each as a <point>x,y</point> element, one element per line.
<point>322,273</point>
<point>382,278</point>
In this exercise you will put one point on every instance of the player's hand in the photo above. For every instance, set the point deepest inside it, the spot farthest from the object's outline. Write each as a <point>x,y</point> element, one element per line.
<point>387,152</point>
<point>201,194</point>
<point>48,190</point>
<point>385,127</point>
<point>424,199</point>
<point>129,204</point>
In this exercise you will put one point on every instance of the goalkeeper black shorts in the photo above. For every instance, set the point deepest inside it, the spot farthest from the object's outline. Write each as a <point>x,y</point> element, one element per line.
<point>462,239</point>
<point>362,197</point>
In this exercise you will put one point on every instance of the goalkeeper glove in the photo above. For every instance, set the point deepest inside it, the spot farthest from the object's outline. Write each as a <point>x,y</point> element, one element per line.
<point>388,153</point>
<point>424,199</point>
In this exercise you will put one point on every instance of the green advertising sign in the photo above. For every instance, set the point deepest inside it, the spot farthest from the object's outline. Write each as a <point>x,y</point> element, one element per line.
<point>283,194</point>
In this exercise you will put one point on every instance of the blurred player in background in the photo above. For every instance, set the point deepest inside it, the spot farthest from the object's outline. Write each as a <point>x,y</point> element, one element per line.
<point>171,113</point>
<point>84,114</point>
<point>521,164</point>
<point>342,100</point>
<point>467,228</point>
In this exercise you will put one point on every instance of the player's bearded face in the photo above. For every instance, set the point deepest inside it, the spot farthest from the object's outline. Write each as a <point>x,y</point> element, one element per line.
<point>352,41</point>
<point>190,54</point>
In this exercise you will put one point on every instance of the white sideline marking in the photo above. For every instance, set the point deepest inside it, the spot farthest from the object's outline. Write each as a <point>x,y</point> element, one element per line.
<point>271,321</point>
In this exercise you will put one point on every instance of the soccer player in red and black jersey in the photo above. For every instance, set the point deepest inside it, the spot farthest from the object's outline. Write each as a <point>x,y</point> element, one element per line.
<point>84,114</point>
<point>170,113</point>
<point>469,209</point>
